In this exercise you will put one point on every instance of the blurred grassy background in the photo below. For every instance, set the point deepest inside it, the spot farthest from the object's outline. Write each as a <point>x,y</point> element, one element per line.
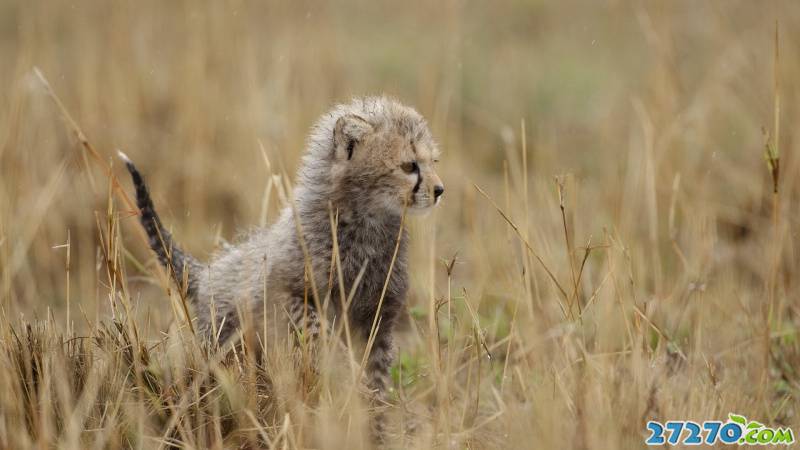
<point>652,112</point>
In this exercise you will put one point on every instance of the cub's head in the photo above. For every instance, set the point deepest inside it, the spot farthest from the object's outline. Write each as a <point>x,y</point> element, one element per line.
<point>383,156</point>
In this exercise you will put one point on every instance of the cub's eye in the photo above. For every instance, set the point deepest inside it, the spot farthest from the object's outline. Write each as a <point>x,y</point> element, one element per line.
<point>410,167</point>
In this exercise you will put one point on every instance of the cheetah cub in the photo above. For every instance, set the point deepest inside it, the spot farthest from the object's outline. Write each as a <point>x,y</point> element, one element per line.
<point>366,163</point>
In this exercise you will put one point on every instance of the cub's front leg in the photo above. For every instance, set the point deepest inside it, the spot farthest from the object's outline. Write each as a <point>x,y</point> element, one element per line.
<point>305,327</point>
<point>378,381</point>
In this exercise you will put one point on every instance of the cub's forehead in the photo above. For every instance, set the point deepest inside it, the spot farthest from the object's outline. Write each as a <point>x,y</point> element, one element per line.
<point>425,150</point>
<point>387,114</point>
<point>413,129</point>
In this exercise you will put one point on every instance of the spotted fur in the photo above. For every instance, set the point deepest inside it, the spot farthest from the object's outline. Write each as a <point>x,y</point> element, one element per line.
<point>354,168</point>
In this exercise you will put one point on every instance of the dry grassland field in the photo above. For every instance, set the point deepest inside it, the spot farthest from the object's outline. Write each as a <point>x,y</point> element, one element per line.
<point>618,245</point>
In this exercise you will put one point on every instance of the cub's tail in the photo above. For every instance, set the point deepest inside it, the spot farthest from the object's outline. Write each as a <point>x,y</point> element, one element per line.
<point>182,267</point>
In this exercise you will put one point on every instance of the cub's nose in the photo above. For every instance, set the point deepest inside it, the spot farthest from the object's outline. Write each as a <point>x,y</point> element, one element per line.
<point>438,191</point>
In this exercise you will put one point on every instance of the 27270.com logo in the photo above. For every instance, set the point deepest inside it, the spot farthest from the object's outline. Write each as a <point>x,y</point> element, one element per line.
<point>737,430</point>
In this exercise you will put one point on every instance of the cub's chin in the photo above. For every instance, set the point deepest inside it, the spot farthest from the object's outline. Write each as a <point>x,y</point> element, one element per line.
<point>419,206</point>
<point>422,209</point>
<point>417,211</point>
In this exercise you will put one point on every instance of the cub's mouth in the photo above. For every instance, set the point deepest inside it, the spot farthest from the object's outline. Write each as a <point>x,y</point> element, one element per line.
<point>422,203</point>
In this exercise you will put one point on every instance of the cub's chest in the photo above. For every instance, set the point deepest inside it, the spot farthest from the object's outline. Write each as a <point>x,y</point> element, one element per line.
<point>369,253</point>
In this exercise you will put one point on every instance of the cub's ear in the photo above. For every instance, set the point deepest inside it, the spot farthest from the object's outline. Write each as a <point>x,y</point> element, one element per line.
<point>349,130</point>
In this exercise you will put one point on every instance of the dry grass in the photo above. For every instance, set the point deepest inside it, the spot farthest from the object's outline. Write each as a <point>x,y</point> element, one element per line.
<point>609,236</point>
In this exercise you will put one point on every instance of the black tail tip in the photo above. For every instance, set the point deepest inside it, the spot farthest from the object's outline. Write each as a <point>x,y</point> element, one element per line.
<point>128,163</point>
<point>125,159</point>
